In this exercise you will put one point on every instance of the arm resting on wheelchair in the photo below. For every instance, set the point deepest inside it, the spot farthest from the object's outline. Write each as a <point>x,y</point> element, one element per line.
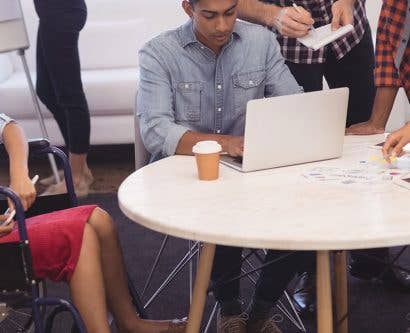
<point>19,217</point>
<point>34,145</point>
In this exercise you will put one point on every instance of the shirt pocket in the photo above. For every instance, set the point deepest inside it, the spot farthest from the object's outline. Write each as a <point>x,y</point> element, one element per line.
<point>247,86</point>
<point>188,102</point>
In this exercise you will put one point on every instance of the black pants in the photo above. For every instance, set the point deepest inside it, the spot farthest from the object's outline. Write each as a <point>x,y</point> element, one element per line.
<point>354,70</point>
<point>59,84</point>
<point>272,281</point>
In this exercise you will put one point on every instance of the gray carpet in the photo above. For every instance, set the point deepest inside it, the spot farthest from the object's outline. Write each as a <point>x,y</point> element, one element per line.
<point>372,308</point>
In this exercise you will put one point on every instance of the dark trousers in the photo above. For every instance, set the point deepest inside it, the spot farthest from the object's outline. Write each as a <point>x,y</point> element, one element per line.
<point>272,280</point>
<point>354,70</point>
<point>59,84</point>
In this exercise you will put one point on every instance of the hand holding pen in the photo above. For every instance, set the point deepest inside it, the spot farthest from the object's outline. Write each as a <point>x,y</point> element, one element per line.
<point>293,22</point>
<point>298,9</point>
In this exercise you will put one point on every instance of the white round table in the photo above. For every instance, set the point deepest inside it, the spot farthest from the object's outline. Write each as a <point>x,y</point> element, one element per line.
<point>271,209</point>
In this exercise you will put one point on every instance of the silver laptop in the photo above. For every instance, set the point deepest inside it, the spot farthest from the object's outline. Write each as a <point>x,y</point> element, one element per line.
<point>292,129</point>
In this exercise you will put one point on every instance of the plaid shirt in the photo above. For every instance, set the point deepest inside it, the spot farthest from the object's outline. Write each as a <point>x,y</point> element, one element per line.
<point>392,35</point>
<point>321,11</point>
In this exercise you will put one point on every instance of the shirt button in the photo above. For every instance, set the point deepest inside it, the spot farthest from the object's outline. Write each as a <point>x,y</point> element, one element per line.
<point>219,87</point>
<point>202,47</point>
<point>251,82</point>
<point>187,86</point>
<point>218,131</point>
<point>219,109</point>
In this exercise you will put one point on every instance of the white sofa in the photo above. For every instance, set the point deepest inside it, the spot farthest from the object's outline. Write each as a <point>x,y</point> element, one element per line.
<point>115,30</point>
<point>109,43</point>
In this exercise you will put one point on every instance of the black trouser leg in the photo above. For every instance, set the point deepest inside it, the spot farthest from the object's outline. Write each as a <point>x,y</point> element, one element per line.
<point>309,76</point>
<point>369,263</point>
<point>355,71</point>
<point>59,28</point>
<point>275,278</point>
<point>46,93</point>
<point>227,264</point>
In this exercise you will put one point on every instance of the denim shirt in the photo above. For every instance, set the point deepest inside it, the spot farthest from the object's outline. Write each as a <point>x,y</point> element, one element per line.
<point>185,86</point>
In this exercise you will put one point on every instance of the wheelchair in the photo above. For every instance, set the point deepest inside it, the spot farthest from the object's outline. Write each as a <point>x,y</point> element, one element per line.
<point>23,299</point>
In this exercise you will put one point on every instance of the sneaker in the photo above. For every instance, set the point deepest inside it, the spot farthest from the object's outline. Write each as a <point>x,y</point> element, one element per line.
<point>303,295</point>
<point>262,326</point>
<point>231,324</point>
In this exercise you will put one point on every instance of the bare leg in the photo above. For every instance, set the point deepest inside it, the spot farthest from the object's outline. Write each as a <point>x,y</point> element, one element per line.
<point>79,167</point>
<point>87,285</point>
<point>82,177</point>
<point>118,296</point>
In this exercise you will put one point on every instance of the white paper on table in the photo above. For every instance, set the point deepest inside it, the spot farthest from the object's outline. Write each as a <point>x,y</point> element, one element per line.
<point>324,35</point>
<point>9,10</point>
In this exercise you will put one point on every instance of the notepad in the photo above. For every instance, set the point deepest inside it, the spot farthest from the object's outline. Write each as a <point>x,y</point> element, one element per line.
<point>324,35</point>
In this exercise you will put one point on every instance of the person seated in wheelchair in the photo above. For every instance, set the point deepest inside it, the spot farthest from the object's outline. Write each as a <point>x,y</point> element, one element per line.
<point>79,246</point>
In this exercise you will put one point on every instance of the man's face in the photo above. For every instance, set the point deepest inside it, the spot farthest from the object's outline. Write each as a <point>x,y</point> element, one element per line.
<point>213,21</point>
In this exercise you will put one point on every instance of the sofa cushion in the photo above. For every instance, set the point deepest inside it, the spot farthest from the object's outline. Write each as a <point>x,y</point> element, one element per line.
<point>109,92</point>
<point>6,67</point>
<point>114,31</point>
<point>111,44</point>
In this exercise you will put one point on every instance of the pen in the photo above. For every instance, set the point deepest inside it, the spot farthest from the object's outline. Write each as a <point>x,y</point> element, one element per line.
<point>13,212</point>
<point>294,5</point>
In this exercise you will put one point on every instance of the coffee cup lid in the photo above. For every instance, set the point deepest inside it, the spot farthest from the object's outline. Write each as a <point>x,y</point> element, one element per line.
<point>207,147</point>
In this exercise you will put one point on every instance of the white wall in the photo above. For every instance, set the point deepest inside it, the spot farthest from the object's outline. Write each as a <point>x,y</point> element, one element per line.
<point>373,12</point>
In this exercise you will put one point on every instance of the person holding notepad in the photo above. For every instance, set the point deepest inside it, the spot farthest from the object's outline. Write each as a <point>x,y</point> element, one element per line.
<point>346,62</point>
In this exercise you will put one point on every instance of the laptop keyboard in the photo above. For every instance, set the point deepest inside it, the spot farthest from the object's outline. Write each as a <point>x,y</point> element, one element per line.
<point>238,159</point>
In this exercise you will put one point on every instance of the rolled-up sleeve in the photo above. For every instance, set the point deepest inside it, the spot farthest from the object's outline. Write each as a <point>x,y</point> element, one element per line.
<point>155,106</point>
<point>279,79</point>
<point>4,120</point>
<point>385,73</point>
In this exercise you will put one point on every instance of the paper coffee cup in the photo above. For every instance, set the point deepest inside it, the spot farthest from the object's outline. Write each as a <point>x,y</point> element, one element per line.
<point>207,159</point>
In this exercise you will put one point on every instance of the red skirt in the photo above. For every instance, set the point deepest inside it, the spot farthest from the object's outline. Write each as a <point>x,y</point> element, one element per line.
<point>55,241</point>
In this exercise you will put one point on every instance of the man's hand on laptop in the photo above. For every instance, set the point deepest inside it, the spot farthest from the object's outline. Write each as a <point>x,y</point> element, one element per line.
<point>234,146</point>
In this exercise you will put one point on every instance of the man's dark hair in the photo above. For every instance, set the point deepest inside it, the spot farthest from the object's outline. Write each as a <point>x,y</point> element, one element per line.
<point>193,2</point>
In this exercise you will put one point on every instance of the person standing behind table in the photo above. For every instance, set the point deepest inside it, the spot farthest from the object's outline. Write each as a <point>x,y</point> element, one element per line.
<point>392,64</point>
<point>392,71</point>
<point>347,62</point>
<point>59,84</point>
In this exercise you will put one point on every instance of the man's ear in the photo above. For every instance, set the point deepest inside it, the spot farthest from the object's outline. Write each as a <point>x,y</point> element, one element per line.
<point>187,8</point>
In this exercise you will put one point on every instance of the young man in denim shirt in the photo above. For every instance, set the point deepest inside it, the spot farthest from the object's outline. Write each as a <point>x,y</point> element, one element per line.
<point>195,82</point>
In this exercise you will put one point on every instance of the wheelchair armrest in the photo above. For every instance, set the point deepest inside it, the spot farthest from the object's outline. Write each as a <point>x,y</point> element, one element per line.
<point>34,145</point>
<point>20,217</point>
<point>38,144</point>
